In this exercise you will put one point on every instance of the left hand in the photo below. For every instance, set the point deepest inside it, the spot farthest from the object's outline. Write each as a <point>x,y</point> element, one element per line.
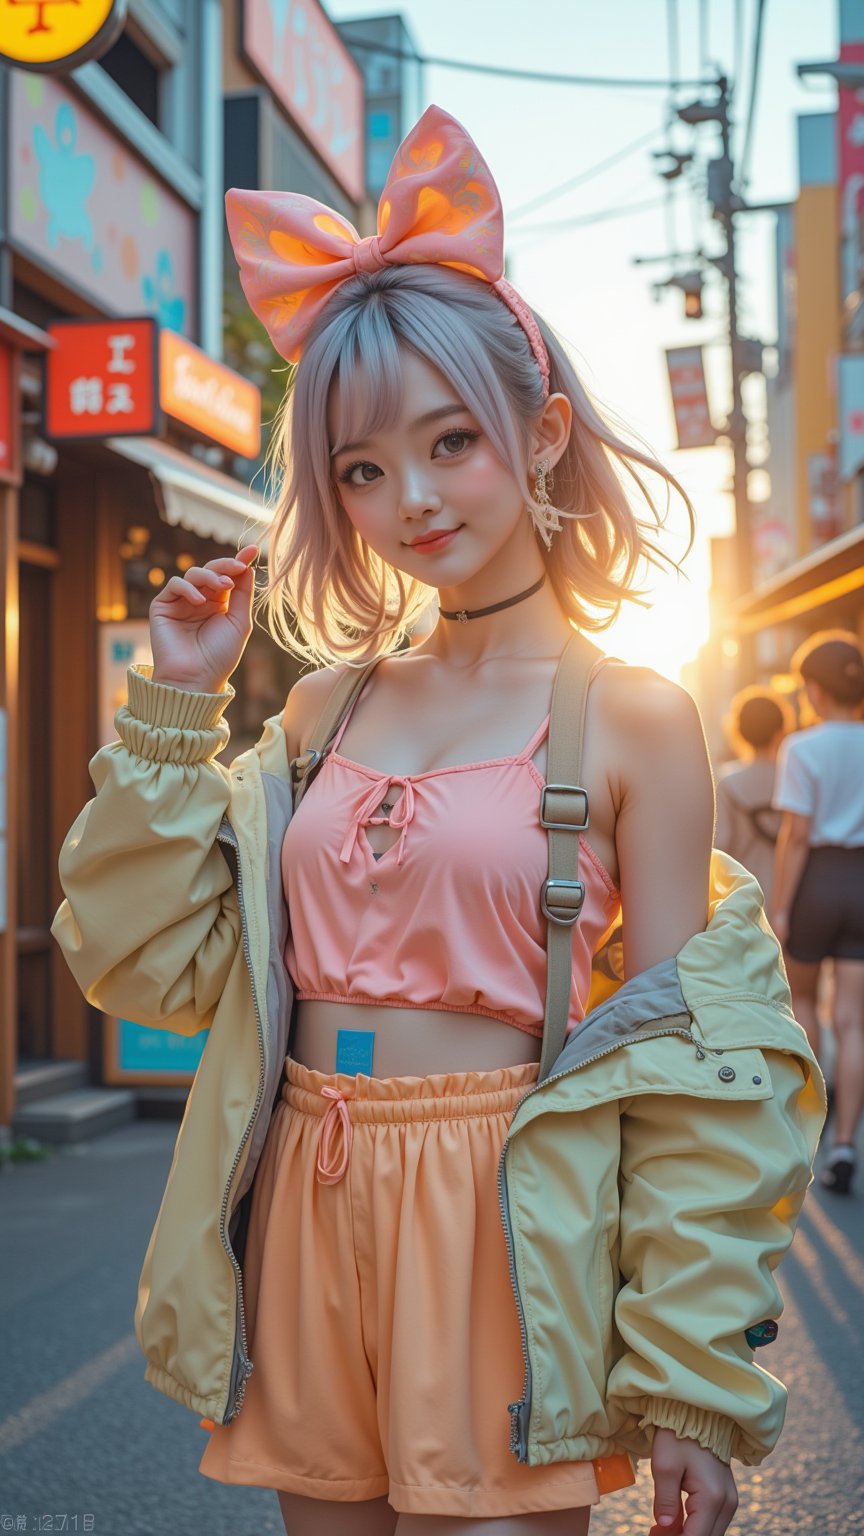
<point>684,1467</point>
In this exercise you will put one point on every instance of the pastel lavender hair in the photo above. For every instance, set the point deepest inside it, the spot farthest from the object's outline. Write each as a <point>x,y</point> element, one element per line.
<point>330,598</point>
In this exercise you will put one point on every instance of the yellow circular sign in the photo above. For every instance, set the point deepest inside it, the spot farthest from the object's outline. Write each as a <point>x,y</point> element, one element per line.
<point>58,34</point>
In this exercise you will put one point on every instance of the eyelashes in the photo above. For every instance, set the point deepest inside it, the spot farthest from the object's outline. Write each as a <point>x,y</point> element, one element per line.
<point>465,435</point>
<point>345,476</point>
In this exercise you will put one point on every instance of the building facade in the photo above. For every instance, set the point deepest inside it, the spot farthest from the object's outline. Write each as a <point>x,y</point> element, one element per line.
<point>113,259</point>
<point>812,528</point>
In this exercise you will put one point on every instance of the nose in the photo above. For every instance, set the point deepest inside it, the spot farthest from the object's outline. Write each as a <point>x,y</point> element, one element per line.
<point>418,497</point>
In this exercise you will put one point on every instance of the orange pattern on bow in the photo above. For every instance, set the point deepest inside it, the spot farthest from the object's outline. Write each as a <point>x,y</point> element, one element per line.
<point>440,205</point>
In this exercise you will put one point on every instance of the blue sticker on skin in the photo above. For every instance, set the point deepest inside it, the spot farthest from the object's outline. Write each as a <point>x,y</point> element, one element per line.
<point>354,1049</point>
<point>762,1333</point>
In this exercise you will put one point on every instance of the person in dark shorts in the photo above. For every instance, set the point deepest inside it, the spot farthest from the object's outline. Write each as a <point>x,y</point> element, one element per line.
<point>818,899</point>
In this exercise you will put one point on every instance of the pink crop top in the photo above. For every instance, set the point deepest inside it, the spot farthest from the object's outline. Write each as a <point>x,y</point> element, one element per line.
<point>449,917</point>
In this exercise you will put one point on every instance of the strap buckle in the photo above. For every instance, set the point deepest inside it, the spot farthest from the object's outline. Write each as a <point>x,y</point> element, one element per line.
<point>565,826</point>
<point>302,765</point>
<point>567,899</point>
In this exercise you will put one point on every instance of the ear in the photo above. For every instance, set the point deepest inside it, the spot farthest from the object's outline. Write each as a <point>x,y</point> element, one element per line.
<point>551,432</point>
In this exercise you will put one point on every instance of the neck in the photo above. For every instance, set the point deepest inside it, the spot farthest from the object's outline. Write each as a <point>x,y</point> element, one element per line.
<point>835,712</point>
<point>537,626</point>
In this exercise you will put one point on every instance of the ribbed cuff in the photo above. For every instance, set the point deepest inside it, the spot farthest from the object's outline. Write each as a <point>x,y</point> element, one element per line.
<point>713,1431</point>
<point>160,704</point>
<point>169,725</point>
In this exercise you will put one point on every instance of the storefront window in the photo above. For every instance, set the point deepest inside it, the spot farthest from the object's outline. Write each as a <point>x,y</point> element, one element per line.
<point>36,512</point>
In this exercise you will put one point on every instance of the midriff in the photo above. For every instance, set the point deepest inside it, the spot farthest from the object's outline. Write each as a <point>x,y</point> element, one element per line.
<point>411,1042</point>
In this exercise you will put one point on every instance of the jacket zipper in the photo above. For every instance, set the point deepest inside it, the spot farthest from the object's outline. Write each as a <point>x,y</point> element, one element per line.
<point>241,1368</point>
<point>520,1412</point>
<point>518,1418</point>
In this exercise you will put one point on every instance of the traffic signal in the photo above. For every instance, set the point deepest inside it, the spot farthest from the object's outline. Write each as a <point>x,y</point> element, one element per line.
<point>690,284</point>
<point>693,304</point>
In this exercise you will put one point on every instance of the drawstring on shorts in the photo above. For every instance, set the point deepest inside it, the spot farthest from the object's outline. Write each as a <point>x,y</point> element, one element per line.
<point>337,1114</point>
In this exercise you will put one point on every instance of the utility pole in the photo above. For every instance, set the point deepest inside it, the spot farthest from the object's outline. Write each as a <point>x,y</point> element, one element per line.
<point>737,424</point>
<point>725,203</point>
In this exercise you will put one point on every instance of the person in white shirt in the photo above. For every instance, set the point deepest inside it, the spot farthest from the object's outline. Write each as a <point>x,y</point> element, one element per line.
<point>747,826</point>
<point>818,900</point>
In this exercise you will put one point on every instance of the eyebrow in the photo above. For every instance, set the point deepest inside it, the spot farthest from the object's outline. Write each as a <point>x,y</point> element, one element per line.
<point>422,421</point>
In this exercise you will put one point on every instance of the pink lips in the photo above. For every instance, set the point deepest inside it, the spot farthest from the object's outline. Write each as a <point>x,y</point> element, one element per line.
<point>434,542</point>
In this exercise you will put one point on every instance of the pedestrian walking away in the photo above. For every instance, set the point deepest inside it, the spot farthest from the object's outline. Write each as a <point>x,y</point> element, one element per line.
<point>747,824</point>
<point>818,904</point>
<point>504,1120</point>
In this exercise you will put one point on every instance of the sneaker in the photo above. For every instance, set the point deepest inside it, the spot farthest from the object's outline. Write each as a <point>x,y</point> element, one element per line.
<point>839,1169</point>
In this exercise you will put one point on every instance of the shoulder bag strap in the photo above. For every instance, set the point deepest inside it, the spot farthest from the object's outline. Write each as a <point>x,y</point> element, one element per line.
<point>564,814</point>
<point>754,814</point>
<point>339,701</point>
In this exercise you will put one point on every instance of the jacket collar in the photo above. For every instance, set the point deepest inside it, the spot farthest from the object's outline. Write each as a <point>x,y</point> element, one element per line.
<point>731,973</point>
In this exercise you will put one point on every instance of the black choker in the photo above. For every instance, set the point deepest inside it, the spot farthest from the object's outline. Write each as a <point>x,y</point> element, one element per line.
<point>464,614</point>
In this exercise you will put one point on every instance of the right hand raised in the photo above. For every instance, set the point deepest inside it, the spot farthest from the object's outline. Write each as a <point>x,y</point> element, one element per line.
<point>200,623</point>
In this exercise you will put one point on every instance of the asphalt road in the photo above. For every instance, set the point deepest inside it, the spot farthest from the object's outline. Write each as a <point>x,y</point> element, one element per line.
<point>87,1445</point>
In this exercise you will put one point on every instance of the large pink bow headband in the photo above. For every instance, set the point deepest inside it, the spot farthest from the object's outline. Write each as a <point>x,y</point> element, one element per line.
<point>440,206</point>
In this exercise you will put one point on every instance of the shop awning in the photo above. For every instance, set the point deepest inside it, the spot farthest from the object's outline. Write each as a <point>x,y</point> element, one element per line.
<point>21,334</point>
<point>813,583</point>
<point>196,497</point>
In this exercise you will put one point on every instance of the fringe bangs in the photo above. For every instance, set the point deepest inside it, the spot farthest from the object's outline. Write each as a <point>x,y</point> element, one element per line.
<point>329,598</point>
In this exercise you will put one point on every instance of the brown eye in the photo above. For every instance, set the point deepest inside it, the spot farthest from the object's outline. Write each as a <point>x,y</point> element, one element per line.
<point>361,473</point>
<point>454,442</point>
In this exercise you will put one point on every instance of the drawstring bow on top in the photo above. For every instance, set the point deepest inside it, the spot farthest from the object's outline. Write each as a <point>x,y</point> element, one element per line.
<point>400,817</point>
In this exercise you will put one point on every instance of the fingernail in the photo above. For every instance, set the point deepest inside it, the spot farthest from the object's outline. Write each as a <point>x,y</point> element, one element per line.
<point>666,1520</point>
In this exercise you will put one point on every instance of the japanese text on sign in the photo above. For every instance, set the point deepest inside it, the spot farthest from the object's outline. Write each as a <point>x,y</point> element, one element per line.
<point>102,379</point>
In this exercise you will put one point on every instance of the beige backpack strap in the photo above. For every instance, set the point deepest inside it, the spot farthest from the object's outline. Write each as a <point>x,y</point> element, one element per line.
<point>339,701</point>
<point>564,813</point>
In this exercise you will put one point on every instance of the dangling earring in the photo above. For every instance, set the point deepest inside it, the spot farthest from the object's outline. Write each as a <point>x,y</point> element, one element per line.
<point>545,517</point>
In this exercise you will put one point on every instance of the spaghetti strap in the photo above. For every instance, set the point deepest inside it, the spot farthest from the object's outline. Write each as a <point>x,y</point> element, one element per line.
<point>543,729</point>
<point>600,663</point>
<point>539,734</point>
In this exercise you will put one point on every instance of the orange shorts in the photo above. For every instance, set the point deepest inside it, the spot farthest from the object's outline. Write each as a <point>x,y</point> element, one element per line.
<point>381,1318</point>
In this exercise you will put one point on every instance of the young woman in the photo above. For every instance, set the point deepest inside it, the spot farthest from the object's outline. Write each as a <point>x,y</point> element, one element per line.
<point>818,905</point>
<point>747,825</point>
<point>366,1360</point>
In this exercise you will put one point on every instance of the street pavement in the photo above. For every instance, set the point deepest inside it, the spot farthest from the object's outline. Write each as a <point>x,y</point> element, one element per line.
<point>87,1445</point>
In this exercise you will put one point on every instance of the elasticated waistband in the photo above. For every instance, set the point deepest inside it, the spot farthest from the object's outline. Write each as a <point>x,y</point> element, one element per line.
<point>391,1100</point>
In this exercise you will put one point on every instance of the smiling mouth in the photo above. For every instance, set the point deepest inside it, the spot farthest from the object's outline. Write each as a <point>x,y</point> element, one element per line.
<point>432,538</point>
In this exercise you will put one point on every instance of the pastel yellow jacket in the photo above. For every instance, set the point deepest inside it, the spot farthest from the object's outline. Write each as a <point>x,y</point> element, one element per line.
<point>648,1187</point>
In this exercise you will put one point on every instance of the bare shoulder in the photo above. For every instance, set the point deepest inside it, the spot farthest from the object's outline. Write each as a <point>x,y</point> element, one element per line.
<point>304,704</point>
<point>642,712</point>
<point>642,702</point>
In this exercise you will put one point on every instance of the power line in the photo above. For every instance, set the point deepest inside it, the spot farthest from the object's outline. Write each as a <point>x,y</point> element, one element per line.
<point>754,87</point>
<point>672,32</point>
<point>703,36</point>
<point>503,71</point>
<point>576,181</point>
<point>600,216</point>
<point>673,45</point>
<point>738,45</point>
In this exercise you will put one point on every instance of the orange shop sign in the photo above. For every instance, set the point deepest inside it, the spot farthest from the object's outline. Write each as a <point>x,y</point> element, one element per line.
<point>208,396</point>
<point>58,34</point>
<point>102,379</point>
